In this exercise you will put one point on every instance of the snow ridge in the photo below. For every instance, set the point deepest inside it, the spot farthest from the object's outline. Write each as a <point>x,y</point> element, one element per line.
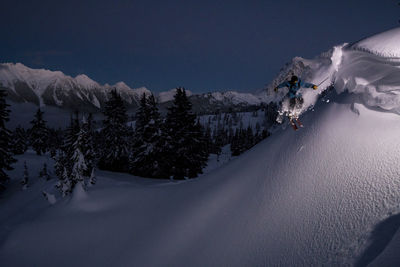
<point>385,44</point>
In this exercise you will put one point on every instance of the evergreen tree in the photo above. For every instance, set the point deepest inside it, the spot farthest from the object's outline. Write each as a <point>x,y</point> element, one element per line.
<point>209,140</point>
<point>77,175</point>
<point>59,165</point>
<point>71,134</point>
<point>44,173</point>
<point>6,156</point>
<point>235,144</point>
<point>249,138</point>
<point>25,179</point>
<point>39,133</point>
<point>114,151</point>
<point>239,142</point>
<point>271,113</point>
<point>19,141</point>
<point>147,151</point>
<point>55,141</point>
<point>187,153</point>
<point>220,139</point>
<point>69,179</point>
<point>64,183</point>
<point>92,179</point>
<point>64,155</point>
<point>87,144</point>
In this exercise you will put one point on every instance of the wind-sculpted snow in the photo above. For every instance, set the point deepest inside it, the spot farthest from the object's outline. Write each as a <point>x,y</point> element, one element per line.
<point>373,76</point>
<point>371,73</point>
<point>375,80</point>
<point>385,44</point>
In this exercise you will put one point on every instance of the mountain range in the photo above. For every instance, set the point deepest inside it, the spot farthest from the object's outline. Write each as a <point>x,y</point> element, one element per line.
<point>54,88</point>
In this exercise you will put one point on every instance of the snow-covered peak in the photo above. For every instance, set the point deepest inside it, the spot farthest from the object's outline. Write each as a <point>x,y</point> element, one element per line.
<point>85,81</point>
<point>169,95</point>
<point>45,87</point>
<point>142,90</point>
<point>122,86</point>
<point>235,97</point>
<point>36,78</point>
<point>385,44</point>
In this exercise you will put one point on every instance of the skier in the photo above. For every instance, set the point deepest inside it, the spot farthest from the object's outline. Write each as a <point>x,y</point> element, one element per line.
<point>295,99</point>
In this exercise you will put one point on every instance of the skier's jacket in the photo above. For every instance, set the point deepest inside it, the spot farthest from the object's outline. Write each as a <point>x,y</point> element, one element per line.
<point>294,87</point>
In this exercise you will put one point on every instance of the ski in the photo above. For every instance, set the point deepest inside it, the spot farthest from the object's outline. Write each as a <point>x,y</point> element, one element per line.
<point>294,126</point>
<point>299,123</point>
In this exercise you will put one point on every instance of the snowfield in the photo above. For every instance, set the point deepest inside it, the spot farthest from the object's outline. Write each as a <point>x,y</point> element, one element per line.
<point>326,195</point>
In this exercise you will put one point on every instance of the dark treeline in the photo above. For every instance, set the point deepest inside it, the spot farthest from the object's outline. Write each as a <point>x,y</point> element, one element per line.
<point>174,146</point>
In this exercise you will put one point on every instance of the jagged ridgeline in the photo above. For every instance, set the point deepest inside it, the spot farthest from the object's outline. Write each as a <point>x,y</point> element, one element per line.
<point>54,88</point>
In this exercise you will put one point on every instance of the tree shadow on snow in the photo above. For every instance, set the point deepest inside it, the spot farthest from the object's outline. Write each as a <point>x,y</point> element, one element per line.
<point>380,238</point>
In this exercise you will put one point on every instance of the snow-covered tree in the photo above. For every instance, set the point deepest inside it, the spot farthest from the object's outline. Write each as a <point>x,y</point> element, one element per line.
<point>270,115</point>
<point>92,179</point>
<point>55,141</point>
<point>49,197</point>
<point>19,141</point>
<point>147,150</point>
<point>59,164</point>
<point>79,167</point>
<point>238,142</point>
<point>87,144</point>
<point>6,155</point>
<point>186,149</point>
<point>39,133</point>
<point>114,153</point>
<point>25,179</point>
<point>65,153</point>
<point>64,183</point>
<point>44,173</point>
<point>69,179</point>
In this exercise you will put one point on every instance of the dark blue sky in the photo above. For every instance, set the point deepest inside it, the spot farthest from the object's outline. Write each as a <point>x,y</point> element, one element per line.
<point>201,45</point>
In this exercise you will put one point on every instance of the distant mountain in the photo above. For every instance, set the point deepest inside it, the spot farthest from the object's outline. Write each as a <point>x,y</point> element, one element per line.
<point>225,102</point>
<point>54,88</point>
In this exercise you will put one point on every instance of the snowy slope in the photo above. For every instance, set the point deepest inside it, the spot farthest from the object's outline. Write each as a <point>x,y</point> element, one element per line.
<point>300,198</point>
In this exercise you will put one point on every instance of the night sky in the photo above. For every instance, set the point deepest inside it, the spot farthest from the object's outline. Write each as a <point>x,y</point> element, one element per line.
<point>201,45</point>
